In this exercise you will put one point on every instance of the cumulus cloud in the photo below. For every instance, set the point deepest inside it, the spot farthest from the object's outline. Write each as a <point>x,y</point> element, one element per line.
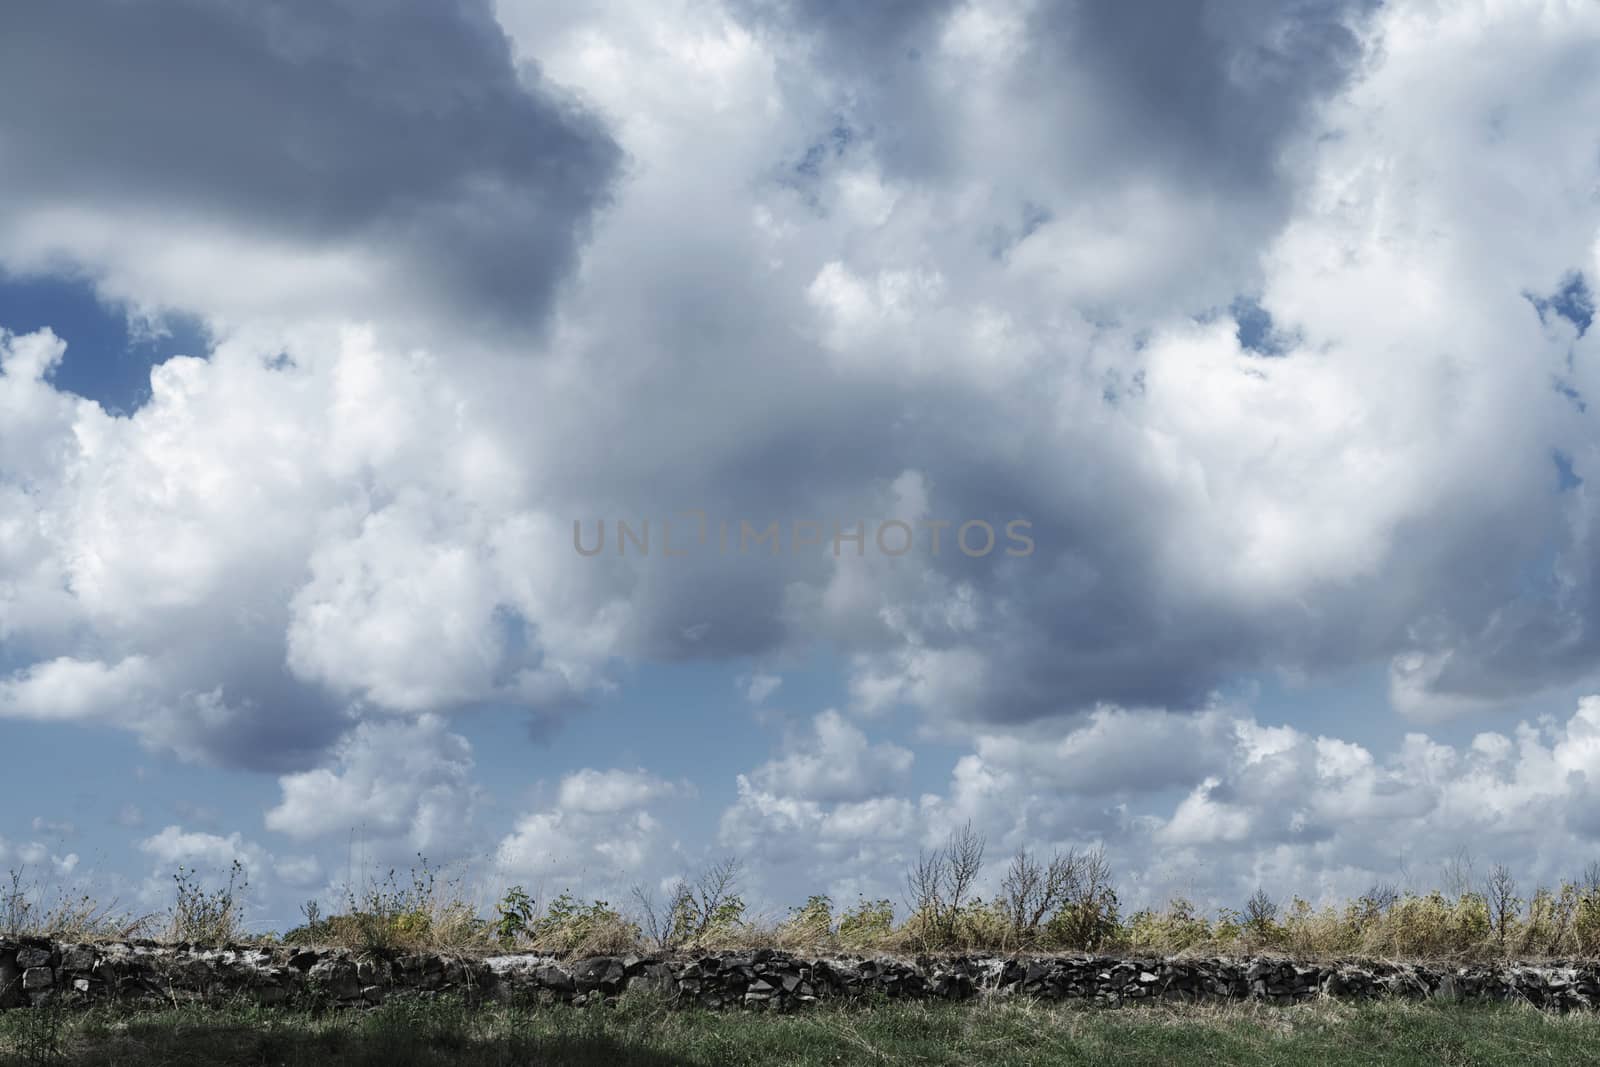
<point>605,834</point>
<point>835,762</point>
<point>409,781</point>
<point>1273,326</point>
<point>595,792</point>
<point>1203,510</point>
<point>1257,805</point>
<point>1200,510</point>
<point>235,618</point>
<point>209,853</point>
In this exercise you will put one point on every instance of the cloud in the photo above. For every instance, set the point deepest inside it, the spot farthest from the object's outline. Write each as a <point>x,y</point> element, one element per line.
<point>235,620</point>
<point>403,781</point>
<point>1255,805</point>
<point>593,854</point>
<point>608,831</point>
<point>209,854</point>
<point>1382,490</point>
<point>299,872</point>
<point>65,688</point>
<point>593,792</point>
<point>57,828</point>
<point>341,157</point>
<point>925,262</point>
<point>1116,750</point>
<point>836,762</point>
<point>759,686</point>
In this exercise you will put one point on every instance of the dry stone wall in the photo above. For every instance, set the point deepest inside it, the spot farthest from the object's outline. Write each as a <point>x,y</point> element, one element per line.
<point>34,972</point>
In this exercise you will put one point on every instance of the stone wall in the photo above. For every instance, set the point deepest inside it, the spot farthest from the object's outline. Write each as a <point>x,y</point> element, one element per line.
<point>36,972</point>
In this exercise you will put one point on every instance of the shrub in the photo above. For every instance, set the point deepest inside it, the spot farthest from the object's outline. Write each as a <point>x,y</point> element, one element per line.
<point>1260,917</point>
<point>809,925</point>
<point>208,917</point>
<point>515,915</point>
<point>421,914</point>
<point>1176,929</point>
<point>939,885</point>
<point>1087,919</point>
<point>1065,902</point>
<point>1430,926</point>
<point>1586,917</point>
<point>571,928</point>
<point>699,913</point>
<point>869,923</point>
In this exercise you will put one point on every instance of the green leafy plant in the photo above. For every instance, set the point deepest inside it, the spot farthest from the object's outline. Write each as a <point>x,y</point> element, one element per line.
<point>868,923</point>
<point>569,926</point>
<point>515,915</point>
<point>809,925</point>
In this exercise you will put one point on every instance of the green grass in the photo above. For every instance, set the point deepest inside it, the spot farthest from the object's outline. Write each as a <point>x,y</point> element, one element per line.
<point>644,1032</point>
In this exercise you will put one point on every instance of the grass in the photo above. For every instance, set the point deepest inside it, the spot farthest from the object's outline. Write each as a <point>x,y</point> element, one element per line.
<point>642,1031</point>
<point>32,909</point>
<point>1063,903</point>
<point>420,913</point>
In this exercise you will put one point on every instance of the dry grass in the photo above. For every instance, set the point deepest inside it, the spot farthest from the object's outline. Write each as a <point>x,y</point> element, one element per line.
<point>37,909</point>
<point>424,913</point>
<point>1059,905</point>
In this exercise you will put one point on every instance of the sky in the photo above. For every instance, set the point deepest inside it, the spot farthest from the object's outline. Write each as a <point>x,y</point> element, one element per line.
<point>1162,428</point>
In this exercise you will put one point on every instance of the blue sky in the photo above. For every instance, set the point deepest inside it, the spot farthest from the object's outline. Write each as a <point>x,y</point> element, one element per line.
<point>1270,325</point>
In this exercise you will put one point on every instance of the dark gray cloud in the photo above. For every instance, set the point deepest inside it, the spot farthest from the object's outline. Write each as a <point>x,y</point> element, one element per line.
<point>879,43</point>
<point>398,128</point>
<point>1211,88</point>
<point>878,52</point>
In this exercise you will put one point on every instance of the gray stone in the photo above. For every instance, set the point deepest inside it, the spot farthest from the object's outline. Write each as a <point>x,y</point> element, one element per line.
<point>603,973</point>
<point>29,956</point>
<point>337,977</point>
<point>764,980</point>
<point>79,958</point>
<point>553,977</point>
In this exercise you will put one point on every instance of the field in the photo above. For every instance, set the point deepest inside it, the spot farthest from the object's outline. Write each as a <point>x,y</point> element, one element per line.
<point>643,1032</point>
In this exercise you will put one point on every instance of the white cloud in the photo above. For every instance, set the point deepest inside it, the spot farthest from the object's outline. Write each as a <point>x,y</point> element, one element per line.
<point>299,872</point>
<point>594,854</point>
<point>211,855</point>
<point>759,686</point>
<point>1266,805</point>
<point>835,762</point>
<point>65,688</point>
<point>404,781</point>
<point>426,591</point>
<point>607,792</point>
<point>996,281</point>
